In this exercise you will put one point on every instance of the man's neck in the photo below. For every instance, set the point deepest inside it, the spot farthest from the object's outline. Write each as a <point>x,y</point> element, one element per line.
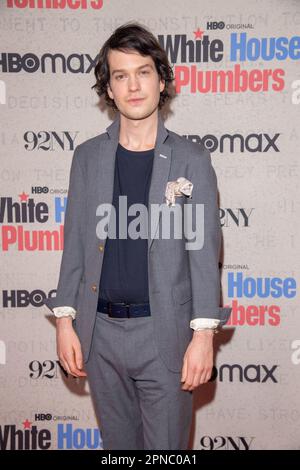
<point>138,134</point>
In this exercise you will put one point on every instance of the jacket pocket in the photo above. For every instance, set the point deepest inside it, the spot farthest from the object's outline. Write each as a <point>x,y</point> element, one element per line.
<point>182,292</point>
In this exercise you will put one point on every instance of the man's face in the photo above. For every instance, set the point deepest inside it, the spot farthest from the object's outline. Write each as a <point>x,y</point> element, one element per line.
<point>134,76</point>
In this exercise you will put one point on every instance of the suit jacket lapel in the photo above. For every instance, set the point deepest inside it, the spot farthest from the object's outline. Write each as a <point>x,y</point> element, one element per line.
<point>160,171</point>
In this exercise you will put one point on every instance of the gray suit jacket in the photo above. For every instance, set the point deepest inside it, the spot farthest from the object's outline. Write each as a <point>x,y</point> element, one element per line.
<point>183,284</point>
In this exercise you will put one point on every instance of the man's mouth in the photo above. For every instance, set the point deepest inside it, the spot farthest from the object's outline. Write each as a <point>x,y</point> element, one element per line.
<point>135,100</point>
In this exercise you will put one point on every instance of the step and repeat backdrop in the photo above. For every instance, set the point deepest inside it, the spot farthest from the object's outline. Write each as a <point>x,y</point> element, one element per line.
<point>237,77</point>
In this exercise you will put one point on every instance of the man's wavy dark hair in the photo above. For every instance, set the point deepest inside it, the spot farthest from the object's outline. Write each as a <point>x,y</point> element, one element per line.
<point>133,36</point>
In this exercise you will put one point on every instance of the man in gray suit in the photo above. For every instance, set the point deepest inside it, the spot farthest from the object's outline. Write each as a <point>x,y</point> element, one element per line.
<point>137,314</point>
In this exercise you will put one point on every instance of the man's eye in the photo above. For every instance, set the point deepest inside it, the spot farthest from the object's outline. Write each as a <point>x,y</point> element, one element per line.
<point>119,77</point>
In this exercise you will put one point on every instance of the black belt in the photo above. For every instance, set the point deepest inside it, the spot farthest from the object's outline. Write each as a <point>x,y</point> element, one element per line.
<point>123,310</point>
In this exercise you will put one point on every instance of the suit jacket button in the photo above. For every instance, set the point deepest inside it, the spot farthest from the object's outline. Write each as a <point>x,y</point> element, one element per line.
<point>94,288</point>
<point>101,247</point>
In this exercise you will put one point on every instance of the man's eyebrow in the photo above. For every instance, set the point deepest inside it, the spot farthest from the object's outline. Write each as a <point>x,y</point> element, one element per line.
<point>140,67</point>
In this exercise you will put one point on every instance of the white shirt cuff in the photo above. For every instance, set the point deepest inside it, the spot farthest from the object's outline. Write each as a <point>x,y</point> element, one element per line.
<point>203,323</point>
<point>64,311</point>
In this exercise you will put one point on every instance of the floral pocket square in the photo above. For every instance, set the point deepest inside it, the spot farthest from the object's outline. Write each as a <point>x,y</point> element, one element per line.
<point>180,187</point>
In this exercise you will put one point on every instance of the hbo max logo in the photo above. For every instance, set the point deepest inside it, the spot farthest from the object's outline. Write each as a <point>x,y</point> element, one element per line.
<point>23,298</point>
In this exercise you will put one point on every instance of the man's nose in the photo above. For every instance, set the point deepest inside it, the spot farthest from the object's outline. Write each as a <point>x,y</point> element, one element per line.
<point>133,83</point>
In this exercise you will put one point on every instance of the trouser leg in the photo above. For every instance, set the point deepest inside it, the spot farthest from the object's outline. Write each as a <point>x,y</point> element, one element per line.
<point>166,408</point>
<point>113,392</point>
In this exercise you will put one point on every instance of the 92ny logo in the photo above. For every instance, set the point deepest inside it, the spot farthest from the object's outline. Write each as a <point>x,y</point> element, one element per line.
<point>46,370</point>
<point>49,140</point>
<point>226,443</point>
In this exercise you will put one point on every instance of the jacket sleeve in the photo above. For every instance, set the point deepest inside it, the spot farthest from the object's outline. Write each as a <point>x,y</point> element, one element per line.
<point>72,261</point>
<point>204,262</point>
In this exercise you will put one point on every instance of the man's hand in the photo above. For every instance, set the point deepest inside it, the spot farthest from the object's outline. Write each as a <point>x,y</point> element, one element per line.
<point>198,360</point>
<point>68,347</point>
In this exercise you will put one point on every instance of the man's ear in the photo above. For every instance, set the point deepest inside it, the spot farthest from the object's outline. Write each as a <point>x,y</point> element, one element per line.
<point>162,85</point>
<point>110,93</point>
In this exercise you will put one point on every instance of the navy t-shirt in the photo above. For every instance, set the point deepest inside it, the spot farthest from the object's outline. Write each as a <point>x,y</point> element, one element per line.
<point>124,276</point>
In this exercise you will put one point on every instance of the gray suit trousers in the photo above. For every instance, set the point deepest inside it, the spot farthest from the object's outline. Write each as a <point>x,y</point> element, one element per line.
<point>138,401</point>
